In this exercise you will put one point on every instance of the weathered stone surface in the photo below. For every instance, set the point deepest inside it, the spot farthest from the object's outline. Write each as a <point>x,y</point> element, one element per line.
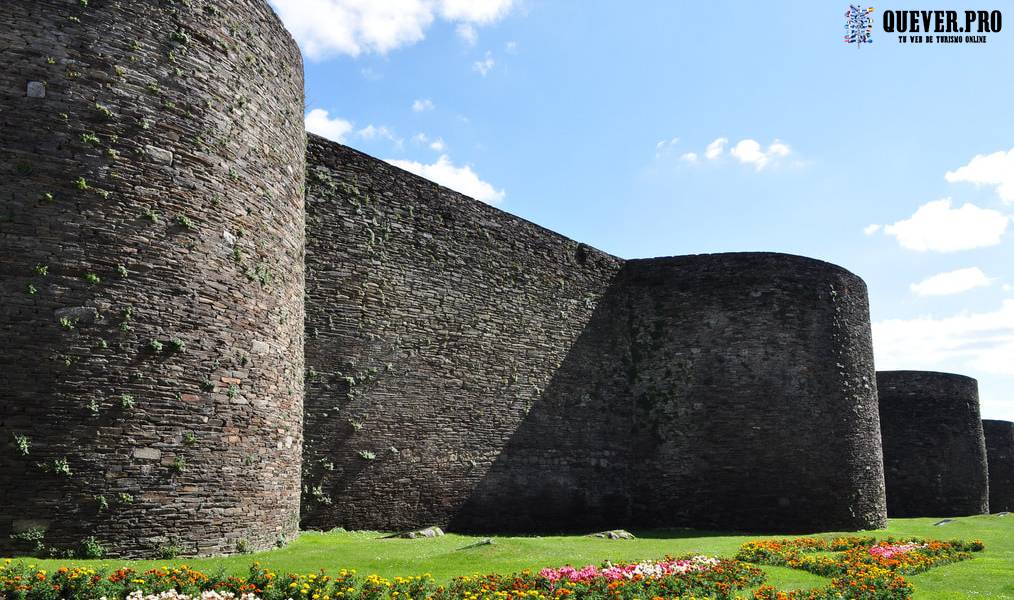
<point>159,155</point>
<point>137,157</point>
<point>934,451</point>
<point>426,532</point>
<point>36,89</point>
<point>999,437</point>
<point>78,314</point>
<point>614,534</point>
<point>532,383</point>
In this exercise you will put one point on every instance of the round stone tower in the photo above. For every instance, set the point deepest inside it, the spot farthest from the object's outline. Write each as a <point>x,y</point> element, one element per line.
<point>934,452</point>
<point>1000,461</point>
<point>753,389</point>
<point>151,285</point>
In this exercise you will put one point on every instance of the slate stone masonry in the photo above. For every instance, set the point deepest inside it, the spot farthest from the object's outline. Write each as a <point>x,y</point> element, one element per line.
<point>151,275</point>
<point>934,451</point>
<point>1000,463</point>
<point>470,369</point>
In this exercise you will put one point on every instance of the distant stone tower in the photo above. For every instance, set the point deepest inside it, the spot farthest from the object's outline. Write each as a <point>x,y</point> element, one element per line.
<point>151,279</point>
<point>934,452</point>
<point>1000,462</point>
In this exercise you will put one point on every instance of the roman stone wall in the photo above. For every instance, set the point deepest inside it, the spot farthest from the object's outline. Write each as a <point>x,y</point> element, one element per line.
<point>999,437</point>
<point>151,275</point>
<point>934,451</point>
<point>470,369</point>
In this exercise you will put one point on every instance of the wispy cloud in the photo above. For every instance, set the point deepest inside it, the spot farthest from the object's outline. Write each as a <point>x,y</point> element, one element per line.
<point>952,282</point>
<point>333,128</point>
<point>422,105</point>
<point>485,65</point>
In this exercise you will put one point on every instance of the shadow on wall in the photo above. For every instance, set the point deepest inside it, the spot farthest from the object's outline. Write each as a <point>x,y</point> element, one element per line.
<point>731,391</point>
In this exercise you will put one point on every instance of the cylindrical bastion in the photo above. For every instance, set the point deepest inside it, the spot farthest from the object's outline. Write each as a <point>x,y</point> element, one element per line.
<point>1000,461</point>
<point>934,452</point>
<point>753,386</point>
<point>151,280</point>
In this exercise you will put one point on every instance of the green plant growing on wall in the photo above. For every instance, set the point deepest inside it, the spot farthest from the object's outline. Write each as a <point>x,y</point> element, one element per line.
<point>177,345</point>
<point>243,546</point>
<point>185,222</point>
<point>102,503</point>
<point>92,278</point>
<point>93,407</point>
<point>122,271</point>
<point>367,455</point>
<point>23,443</point>
<point>62,467</point>
<point>67,323</point>
<point>208,385</point>
<point>169,550</point>
<point>41,269</point>
<point>150,214</point>
<point>125,498</point>
<point>190,438</point>
<point>47,197</point>
<point>31,289</point>
<point>317,493</point>
<point>35,536</point>
<point>90,138</point>
<point>126,401</point>
<point>233,391</point>
<point>179,465</point>
<point>155,346</point>
<point>81,183</point>
<point>91,548</point>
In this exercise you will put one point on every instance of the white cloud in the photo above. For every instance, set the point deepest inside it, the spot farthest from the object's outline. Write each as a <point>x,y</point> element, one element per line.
<point>422,104</point>
<point>995,169</point>
<point>475,11</point>
<point>871,229</point>
<point>372,132</point>
<point>485,65</point>
<point>715,148</point>
<point>690,157</point>
<point>749,152</point>
<point>467,32</point>
<point>1008,287</point>
<point>317,121</point>
<point>460,179</point>
<point>354,27</point>
<point>938,227</point>
<point>978,341</point>
<point>952,282</point>
<point>511,47</point>
<point>438,145</point>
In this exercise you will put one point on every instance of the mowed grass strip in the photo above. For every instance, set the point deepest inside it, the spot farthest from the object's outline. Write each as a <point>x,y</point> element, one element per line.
<point>989,575</point>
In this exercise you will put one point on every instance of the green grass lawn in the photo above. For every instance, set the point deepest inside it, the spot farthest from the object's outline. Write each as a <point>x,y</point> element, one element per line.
<point>989,575</point>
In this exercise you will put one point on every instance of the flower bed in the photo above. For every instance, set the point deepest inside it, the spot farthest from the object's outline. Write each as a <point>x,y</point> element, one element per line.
<point>861,567</point>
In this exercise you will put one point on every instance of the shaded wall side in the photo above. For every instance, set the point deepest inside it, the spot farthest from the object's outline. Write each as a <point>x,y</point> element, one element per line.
<point>152,232</point>
<point>934,449</point>
<point>754,391</point>
<point>999,437</point>
<point>434,327</point>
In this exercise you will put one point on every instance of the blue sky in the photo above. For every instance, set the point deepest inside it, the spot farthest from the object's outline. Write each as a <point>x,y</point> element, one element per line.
<point>594,119</point>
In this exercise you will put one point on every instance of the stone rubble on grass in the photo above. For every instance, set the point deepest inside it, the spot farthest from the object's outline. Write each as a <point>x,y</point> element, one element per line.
<point>425,532</point>
<point>614,534</point>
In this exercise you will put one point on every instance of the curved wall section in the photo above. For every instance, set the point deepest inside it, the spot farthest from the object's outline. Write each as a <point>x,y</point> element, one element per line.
<point>934,451</point>
<point>1000,462</point>
<point>152,232</point>
<point>470,369</point>
<point>753,393</point>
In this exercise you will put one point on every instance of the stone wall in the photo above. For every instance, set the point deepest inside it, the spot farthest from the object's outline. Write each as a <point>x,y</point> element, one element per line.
<point>934,452</point>
<point>151,280</point>
<point>1000,462</point>
<point>470,369</point>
